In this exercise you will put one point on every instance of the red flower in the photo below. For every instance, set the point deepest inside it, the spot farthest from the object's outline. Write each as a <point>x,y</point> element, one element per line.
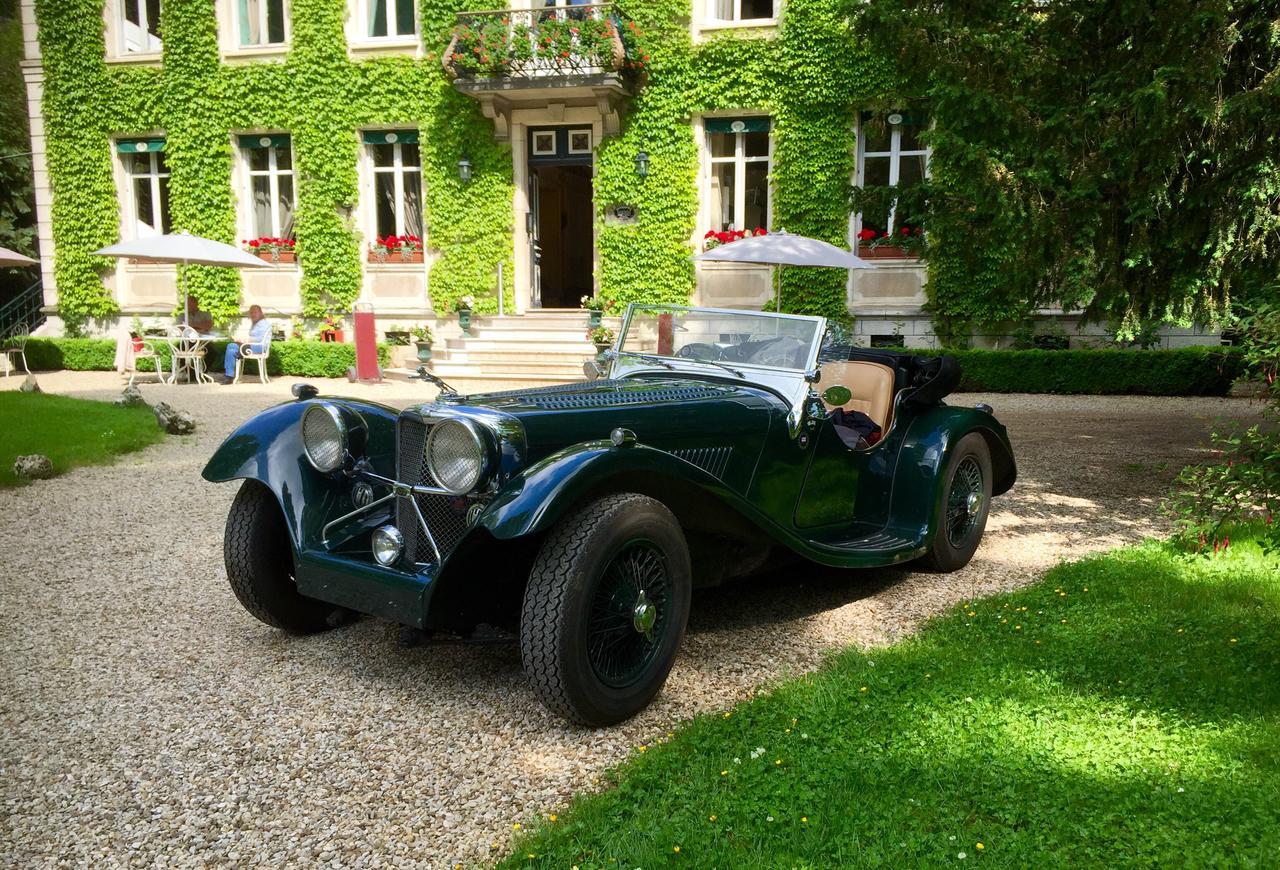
<point>866,235</point>
<point>710,234</point>
<point>906,231</point>
<point>761,231</point>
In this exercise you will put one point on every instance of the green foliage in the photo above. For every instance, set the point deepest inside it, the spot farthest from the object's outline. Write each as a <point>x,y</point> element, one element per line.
<point>1114,157</point>
<point>71,432</point>
<point>318,95</point>
<point>1192,371</point>
<point>306,359</point>
<point>1243,481</point>
<point>1121,711</point>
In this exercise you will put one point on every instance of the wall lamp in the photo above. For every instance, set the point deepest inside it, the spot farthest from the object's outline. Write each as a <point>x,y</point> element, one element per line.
<point>642,164</point>
<point>464,169</point>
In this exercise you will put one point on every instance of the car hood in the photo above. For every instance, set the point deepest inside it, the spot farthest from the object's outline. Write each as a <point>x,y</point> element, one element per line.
<point>663,412</point>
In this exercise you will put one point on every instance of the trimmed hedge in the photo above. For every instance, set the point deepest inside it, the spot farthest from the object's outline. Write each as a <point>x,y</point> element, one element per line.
<point>1191,371</point>
<point>307,359</point>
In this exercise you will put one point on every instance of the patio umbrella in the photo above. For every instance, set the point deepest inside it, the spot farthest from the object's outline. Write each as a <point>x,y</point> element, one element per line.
<point>184,249</point>
<point>13,258</point>
<point>785,249</point>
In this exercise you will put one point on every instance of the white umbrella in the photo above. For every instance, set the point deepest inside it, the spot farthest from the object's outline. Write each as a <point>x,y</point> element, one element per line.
<point>185,249</point>
<point>13,258</point>
<point>785,249</point>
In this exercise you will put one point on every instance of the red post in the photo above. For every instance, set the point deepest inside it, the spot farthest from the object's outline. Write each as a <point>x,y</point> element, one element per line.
<point>367,369</point>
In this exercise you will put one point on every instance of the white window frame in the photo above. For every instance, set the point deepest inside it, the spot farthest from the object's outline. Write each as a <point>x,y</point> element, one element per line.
<point>397,168</point>
<point>273,173</point>
<point>895,155</point>
<point>579,130</point>
<point>237,26</point>
<point>123,24</point>
<point>740,161</point>
<point>363,19</point>
<point>154,175</point>
<point>711,17</point>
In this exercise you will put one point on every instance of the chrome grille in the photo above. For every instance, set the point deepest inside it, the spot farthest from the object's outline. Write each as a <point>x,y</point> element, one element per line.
<point>446,515</point>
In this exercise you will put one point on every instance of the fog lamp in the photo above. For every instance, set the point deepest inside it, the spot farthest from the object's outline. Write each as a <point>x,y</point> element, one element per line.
<point>388,545</point>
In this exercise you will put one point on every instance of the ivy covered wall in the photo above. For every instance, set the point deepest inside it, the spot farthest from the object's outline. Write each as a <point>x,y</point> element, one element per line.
<point>808,75</point>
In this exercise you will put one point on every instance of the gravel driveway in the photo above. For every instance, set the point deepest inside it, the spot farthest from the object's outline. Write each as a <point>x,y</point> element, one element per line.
<point>145,718</point>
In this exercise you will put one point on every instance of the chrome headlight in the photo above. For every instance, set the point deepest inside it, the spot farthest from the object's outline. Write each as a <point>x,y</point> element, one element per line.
<point>388,544</point>
<point>456,456</point>
<point>324,437</point>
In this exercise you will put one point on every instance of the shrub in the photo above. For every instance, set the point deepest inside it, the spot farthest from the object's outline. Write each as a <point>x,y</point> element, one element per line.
<point>307,359</point>
<point>1192,371</point>
<point>1244,483</point>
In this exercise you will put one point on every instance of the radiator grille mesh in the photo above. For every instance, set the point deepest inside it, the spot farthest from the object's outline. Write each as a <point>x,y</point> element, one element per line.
<point>446,515</point>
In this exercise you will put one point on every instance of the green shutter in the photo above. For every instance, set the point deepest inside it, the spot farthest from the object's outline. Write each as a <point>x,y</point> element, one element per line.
<point>139,146</point>
<point>909,119</point>
<point>755,124</point>
<point>264,140</point>
<point>386,137</point>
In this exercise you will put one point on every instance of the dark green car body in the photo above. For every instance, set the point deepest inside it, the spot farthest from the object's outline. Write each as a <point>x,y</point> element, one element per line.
<point>748,475</point>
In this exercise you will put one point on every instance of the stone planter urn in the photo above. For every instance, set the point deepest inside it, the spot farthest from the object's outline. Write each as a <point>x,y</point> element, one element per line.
<point>594,316</point>
<point>424,351</point>
<point>464,320</point>
<point>600,351</point>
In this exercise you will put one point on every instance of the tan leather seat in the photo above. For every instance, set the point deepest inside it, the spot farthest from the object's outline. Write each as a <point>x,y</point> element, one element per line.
<point>871,385</point>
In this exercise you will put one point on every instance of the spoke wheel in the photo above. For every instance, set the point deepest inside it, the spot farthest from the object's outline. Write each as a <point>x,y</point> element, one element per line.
<point>964,501</point>
<point>629,614</point>
<point>605,609</point>
<point>964,498</point>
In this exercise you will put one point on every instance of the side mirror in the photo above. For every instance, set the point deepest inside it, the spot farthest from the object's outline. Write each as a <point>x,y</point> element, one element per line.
<point>592,370</point>
<point>837,395</point>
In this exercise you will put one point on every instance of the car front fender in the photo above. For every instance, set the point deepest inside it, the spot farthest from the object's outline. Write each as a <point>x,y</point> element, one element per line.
<point>268,448</point>
<point>545,491</point>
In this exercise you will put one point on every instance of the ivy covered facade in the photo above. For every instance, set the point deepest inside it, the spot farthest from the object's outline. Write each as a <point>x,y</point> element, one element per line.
<point>408,154</point>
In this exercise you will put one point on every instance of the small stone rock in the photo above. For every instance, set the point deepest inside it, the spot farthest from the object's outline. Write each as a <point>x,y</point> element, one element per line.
<point>33,466</point>
<point>172,421</point>
<point>30,385</point>
<point>131,397</point>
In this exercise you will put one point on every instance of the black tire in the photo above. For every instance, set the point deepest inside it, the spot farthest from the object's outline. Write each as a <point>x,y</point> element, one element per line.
<point>582,580</point>
<point>259,560</point>
<point>959,525</point>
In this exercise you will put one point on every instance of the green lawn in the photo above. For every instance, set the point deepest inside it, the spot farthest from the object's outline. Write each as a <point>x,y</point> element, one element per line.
<point>1125,710</point>
<point>70,432</point>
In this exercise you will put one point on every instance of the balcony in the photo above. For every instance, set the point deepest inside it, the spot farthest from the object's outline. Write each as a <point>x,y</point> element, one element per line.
<point>549,58</point>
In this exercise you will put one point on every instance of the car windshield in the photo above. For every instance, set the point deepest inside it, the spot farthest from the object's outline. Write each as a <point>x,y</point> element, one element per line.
<point>727,338</point>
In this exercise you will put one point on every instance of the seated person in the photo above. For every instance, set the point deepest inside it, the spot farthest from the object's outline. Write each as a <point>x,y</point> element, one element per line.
<point>259,335</point>
<point>200,321</point>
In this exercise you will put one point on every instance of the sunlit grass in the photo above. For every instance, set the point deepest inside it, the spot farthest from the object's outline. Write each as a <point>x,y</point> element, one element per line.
<point>71,432</point>
<point>1124,710</point>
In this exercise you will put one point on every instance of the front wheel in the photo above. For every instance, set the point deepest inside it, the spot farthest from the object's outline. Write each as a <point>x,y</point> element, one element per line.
<point>605,609</point>
<point>963,505</point>
<point>259,560</point>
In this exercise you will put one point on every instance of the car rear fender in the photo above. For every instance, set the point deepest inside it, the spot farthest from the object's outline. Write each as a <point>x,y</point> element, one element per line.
<point>268,448</point>
<point>925,450</point>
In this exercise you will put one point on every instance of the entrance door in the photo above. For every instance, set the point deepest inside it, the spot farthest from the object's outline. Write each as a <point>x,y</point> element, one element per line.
<point>535,245</point>
<point>562,215</point>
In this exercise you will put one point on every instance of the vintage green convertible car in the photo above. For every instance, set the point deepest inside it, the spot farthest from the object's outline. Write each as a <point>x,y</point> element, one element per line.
<point>581,516</point>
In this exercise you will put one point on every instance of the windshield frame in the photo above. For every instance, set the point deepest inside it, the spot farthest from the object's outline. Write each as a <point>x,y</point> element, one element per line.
<point>792,385</point>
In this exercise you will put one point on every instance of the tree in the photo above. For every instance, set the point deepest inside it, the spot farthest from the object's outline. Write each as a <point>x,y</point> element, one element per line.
<point>1121,158</point>
<point>17,201</point>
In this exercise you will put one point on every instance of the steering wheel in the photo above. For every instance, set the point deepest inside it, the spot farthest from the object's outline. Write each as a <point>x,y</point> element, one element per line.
<point>699,350</point>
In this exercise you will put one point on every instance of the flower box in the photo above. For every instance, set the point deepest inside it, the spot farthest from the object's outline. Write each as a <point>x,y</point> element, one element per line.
<point>377,256</point>
<point>333,335</point>
<point>885,252</point>
<point>277,256</point>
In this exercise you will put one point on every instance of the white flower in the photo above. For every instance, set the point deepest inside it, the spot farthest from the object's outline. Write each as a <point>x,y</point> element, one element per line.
<point>737,761</point>
<point>768,818</point>
<point>1181,789</point>
<point>961,855</point>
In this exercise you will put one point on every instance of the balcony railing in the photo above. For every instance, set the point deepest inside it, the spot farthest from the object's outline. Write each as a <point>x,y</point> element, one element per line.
<point>552,42</point>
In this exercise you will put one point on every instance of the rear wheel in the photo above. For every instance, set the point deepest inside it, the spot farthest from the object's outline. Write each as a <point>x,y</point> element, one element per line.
<point>964,503</point>
<point>605,609</point>
<point>259,560</point>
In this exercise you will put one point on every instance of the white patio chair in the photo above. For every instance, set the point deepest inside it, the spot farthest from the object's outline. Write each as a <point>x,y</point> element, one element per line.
<point>188,353</point>
<point>149,351</point>
<point>260,358</point>
<point>15,344</point>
